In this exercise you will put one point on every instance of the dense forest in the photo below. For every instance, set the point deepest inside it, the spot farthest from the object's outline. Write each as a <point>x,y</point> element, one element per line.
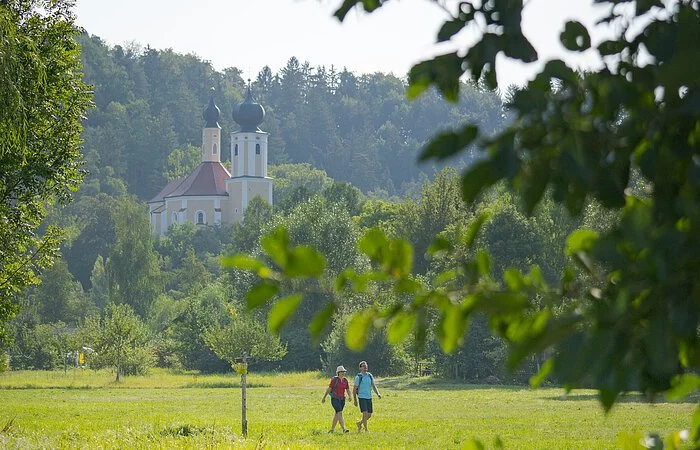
<point>343,153</point>
<point>357,128</point>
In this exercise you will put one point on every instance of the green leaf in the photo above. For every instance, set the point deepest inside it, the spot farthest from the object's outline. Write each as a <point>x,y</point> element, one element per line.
<point>261,293</point>
<point>400,327</point>
<point>514,279</point>
<point>575,37</point>
<point>557,68</point>
<point>439,245</point>
<point>518,47</point>
<point>453,325</point>
<point>282,311</point>
<point>607,48</point>
<point>481,58</point>
<point>607,398</point>
<point>474,228</point>
<point>473,444</point>
<point>358,328</point>
<point>242,261</point>
<point>443,71</point>
<point>449,143</point>
<point>360,282</point>
<point>567,277</point>
<point>503,302</point>
<point>347,5</point>
<point>537,379</point>
<point>343,279</point>
<point>401,258</point>
<point>477,178</point>
<point>631,441</point>
<point>643,6</point>
<point>682,386</point>
<point>405,285</point>
<point>275,245</point>
<point>304,261</point>
<point>534,184</point>
<point>581,240</point>
<point>444,277</point>
<point>483,262</point>
<point>374,244</point>
<point>321,319</point>
<point>449,29</point>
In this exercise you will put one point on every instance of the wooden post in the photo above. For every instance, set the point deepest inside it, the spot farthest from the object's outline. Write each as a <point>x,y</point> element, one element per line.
<point>244,372</point>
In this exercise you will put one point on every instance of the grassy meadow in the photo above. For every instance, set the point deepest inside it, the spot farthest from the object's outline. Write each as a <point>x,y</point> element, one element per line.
<point>86,409</point>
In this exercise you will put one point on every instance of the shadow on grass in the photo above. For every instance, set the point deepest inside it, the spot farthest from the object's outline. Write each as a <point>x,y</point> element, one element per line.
<point>38,386</point>
<point>429,384</point>
<point>223,385</point>
<point>624,398</point>
<point>213,385</point>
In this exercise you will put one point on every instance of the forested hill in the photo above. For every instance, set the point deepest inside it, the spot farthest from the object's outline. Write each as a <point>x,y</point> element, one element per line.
<point>358,128</point>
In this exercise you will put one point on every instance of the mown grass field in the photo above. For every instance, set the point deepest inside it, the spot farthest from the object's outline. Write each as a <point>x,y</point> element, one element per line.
<point>86,409</point>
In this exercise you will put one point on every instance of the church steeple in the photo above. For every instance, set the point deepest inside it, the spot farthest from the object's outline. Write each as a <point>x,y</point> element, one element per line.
<point>248,114</point>
<point>211,134</point>
<point>248,157</point>
<point>212,113</point>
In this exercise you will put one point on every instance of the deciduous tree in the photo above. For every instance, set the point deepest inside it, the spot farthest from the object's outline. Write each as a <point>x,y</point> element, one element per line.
<point>632,322</point>
<point>42,103</point>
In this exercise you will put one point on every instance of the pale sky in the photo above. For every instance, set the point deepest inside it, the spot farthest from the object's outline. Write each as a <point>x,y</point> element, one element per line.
<point>249,34</point>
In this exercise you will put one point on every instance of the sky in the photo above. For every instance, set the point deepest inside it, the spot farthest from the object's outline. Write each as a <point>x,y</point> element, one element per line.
<point>249,34</point>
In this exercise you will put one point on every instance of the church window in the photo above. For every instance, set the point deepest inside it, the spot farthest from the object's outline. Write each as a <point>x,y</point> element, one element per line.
<point>235,150</point>
<point>257,149</point>
<point>201,218</point>
<point>214,150</point>
<point>173,217</point>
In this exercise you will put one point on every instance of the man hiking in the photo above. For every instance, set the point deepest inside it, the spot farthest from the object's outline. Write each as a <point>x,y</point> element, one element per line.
<point>363,387</point>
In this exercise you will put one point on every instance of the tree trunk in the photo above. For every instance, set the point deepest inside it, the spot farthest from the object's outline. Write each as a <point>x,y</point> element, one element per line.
<point>244,420</point>
<point>119,367</point>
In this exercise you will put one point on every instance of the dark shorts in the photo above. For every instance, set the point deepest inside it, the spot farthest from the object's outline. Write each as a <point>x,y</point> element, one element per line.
<point>338,404</point>
<point>366,405</point>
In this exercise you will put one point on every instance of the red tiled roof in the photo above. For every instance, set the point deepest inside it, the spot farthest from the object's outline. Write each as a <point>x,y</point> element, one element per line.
<point>209,178</point>
<point>170,187</point>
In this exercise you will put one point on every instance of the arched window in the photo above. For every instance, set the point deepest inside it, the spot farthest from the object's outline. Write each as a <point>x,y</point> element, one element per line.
<point>235,150</point>
<point>257,149</point>
<point>214,150</point>
<point>201,218</point>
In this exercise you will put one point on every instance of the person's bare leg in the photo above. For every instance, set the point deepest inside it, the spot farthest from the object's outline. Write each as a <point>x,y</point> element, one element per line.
<point>365,418</point>
<point>335,421</point>
<point>341,421</point>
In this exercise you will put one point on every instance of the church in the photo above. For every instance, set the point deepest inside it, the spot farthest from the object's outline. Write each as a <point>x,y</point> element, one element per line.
<point>211,195</point>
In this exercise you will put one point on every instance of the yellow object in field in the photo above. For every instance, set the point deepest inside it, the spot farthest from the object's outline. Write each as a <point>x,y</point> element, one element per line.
<point>81,358</point>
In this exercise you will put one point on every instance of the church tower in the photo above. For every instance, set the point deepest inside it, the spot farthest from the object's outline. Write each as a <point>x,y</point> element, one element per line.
<point>211,133</point>
<point>248,158</point>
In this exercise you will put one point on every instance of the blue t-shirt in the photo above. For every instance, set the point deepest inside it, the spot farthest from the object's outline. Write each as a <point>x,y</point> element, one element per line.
<point>365,388</point>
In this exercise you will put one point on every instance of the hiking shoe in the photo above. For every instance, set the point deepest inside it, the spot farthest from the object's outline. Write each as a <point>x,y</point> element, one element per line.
<point>346,431</point>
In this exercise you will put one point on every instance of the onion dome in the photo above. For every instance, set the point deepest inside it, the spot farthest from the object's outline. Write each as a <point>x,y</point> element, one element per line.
<point>249,114</point>
<point>212,113</point>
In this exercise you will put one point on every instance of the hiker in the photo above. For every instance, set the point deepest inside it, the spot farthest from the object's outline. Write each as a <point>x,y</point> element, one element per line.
<point>337,388</point>
<point>363,387</point>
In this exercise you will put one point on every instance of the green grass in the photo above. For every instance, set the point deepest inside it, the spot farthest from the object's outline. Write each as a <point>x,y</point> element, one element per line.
<point>85,409</point>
